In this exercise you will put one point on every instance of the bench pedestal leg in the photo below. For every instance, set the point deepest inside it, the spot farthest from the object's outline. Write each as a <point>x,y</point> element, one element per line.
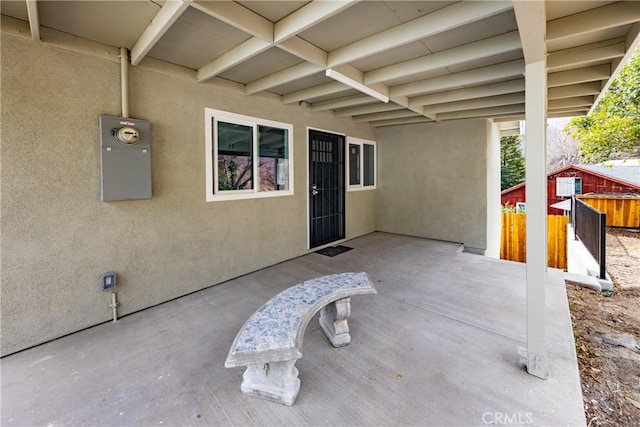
<point>274,381</point>
<point>333,320</point>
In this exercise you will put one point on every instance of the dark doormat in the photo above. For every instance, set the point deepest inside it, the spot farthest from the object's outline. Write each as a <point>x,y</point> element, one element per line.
<point>333,250</point>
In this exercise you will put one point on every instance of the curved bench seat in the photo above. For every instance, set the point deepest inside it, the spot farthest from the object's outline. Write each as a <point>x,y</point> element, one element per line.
<point>270,341</point>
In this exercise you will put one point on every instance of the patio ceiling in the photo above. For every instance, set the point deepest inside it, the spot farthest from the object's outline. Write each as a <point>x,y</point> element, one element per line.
<point>433,60</point>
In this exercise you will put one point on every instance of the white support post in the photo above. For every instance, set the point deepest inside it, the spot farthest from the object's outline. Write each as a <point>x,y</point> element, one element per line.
<point>536,196</point>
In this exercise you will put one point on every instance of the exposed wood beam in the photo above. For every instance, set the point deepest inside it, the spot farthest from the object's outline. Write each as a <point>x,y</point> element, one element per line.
<point>508,119</point>
<point>471,77</point>
<point>632,43</point>
<point>483,112</point>
<point>307,16</point>
<point>573,58</point>
<point>582,89</point>
<point>554,115</point>
<point>34,19</point>
<point>532,20</point>
<point>598,19</point>
<point>404,101</point>
<point>398,114</point>
<point>238,54</point>
<point>299,71</point>
<point>448,18</point>
<point>472,104</point>
<point>314,92</point>
<point>582,75</point>
<point>342,102</point>
<point>237,16</point>
<point>492,89</point>
<point>244,19</point>
<point>368,109</point>
<point>357,76</point>
<point>578,101</point>
<point>166,16</point>
<point>510,132</point>
<point>469,52</point>
<point>19,28</point>
<point>305,50</point>
<point>403,121</point>
<point>568,110</point>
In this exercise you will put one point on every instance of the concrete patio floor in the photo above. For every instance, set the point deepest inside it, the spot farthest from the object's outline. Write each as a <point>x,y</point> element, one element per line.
<point>438,345</point>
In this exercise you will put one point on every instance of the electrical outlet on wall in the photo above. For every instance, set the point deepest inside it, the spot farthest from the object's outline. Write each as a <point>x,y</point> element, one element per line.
<point>108,280</point>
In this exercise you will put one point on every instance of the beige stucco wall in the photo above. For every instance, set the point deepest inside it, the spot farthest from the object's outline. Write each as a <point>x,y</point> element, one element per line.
<point>432,181</point>
<point>58,237</point>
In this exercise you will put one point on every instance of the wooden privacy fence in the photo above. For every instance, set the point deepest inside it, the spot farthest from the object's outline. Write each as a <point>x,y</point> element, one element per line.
<point>513,239</point>
<point>622,211</point>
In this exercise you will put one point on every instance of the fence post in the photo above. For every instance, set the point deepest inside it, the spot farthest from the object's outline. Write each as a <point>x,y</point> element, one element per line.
<point>603,245</point>
<point>574,217</point>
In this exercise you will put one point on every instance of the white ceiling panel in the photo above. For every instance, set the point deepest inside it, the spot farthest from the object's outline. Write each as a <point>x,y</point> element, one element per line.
<point>311,81</point>
<point>347,92</point>
<point>393,56</point>
<point>268,62</point>
<point>195,39</point>
<point>583,39</point>
<point>485,28</point>
<point>362,20</point>
<point>118,23</point>
<point>409,10</point>
<point>273,10</point>
<point>560,8</point>
<point>417,77</point>
<point>486,61</point>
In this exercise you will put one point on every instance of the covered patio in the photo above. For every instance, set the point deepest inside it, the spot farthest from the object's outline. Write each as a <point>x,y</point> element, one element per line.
<point>438,345</point>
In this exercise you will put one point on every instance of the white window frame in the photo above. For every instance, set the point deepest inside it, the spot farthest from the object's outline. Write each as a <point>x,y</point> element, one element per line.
<point>211,117</point>
<point>361,142</point>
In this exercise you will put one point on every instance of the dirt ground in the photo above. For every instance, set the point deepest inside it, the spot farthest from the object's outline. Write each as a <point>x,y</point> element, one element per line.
<point>607,333</point>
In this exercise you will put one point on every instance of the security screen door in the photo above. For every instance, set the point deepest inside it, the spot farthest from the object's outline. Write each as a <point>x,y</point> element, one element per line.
<point>326,192</point>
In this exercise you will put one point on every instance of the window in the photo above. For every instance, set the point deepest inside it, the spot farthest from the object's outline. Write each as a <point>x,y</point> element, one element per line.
<point>247,157</point>
<point>578,186</point>
<point>362,164</point>
<point>565,187</point>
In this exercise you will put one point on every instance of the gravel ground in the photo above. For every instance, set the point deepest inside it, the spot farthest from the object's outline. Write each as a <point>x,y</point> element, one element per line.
<point>607,332</point>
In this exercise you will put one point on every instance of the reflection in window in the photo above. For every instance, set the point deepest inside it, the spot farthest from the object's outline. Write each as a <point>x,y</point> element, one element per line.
<point>247,157</point>
<point>235,157</point>
<point>362,164</point>
<point>369,164</point>
<point>274,158</point>
<point>354,164</point>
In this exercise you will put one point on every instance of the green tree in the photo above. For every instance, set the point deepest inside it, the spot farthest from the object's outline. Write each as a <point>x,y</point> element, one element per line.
<point>613,129</point>
<point>512,168</point>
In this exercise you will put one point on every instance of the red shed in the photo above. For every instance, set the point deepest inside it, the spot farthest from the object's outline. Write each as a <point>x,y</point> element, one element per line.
<point>597,179</point>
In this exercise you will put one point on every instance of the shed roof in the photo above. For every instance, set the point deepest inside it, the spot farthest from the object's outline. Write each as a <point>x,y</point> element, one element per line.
<point>628,175</point>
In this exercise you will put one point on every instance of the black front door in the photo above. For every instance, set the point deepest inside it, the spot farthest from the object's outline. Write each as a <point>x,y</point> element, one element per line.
<point>326,192</point>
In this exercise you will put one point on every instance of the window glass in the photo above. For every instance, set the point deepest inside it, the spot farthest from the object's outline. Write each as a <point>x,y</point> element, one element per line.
<point>247,157</point>
<point>274,158</point>
<point>578,186</point>
<point>354,164</point>
<point>235,157</point>
<point>361,156</point>
<point>369,164</point>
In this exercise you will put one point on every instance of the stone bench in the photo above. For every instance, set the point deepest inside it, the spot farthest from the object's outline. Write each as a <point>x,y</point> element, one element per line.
<point>270,342</point>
